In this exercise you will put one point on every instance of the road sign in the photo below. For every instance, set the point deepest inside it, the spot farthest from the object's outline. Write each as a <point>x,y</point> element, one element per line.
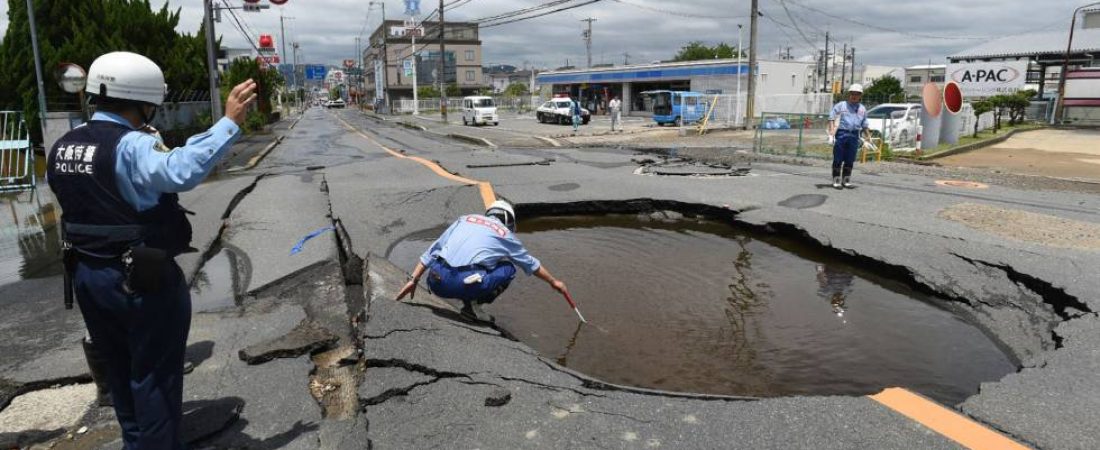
<point>315,72</point>
<point>408,64</point>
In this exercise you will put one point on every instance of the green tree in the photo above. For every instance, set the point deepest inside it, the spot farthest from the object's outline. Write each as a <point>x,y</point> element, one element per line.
<point>697,51</point>
<point>981,107</point>
<point>267,82</point>
<point>453,90</point>
<point>1017,105</point>
<point>78,31</point>
<point>884,89</point>
<point>516,90</point>
<point>428,91</point>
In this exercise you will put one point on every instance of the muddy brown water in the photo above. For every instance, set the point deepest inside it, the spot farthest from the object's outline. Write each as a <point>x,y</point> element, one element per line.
<point>699,306</point>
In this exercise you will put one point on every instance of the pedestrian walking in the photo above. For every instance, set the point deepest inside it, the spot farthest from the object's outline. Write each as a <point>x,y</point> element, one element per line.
<point>575,109</point>
<point>616,108</point>
<point>475,260</point>
<point>847,121</point>
<point>122,227</point>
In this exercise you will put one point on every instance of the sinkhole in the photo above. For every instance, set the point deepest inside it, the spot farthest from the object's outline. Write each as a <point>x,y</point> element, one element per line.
<point>698,305</point>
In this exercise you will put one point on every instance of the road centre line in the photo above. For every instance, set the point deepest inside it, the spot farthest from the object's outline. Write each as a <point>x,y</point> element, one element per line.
<point>484,188</point>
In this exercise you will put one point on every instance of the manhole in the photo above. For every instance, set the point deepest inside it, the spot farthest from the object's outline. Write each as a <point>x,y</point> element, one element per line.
<point>699,306</point>
<point>962,184</point>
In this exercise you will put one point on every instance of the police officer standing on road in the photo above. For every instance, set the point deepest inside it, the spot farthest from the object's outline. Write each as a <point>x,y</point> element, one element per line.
<point>117,185</point>
<point>475,261</point>
<point>847,120</point>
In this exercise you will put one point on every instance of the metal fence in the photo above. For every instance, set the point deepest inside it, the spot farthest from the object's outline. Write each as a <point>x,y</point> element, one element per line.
<point>793,134</point>
<point>728,110</point>
<point>17,170</point>
<point>517,104</point>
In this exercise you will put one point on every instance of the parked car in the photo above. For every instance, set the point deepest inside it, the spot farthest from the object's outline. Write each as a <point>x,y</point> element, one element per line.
<point>338,103</point>
<point>479,109</point>
<point>557,111</point>
<point>898,121</point>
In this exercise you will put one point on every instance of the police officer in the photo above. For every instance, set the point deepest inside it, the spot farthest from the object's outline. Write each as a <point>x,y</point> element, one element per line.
<point>475,260</point>
<point>847,120</point>
<point>117,185</point>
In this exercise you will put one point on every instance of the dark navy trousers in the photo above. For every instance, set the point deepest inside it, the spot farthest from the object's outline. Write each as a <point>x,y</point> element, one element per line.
<point>449,282</point>
<point>144,338</point>
<point>844,151</point>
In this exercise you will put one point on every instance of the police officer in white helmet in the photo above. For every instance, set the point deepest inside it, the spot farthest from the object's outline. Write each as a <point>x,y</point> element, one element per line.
<point>117,185</point>
<point>847,120</point>
<point>475,260</point>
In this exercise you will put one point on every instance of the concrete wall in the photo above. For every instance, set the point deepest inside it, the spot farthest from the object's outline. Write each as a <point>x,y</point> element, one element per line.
<point>173,116</point>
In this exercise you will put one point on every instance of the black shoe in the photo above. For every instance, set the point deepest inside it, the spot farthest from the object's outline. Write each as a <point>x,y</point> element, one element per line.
<point>836,183</point>
<point>472,311</point>
<point>848,183</point>
<point>97,365</point>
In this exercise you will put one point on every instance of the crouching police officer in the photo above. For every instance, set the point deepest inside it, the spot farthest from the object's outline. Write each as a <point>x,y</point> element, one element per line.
<point>116,183</point>
<point>475,260</point>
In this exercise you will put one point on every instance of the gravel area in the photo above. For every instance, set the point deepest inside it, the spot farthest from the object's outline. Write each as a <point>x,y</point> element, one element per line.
<point>1026,226</point>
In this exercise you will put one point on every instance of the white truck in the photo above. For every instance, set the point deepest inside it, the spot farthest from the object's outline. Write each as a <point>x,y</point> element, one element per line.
<point>479,109</point>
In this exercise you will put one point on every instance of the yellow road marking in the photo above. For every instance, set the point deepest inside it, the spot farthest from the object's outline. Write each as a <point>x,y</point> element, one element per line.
<point>946,422</point>
<point>484,188</point>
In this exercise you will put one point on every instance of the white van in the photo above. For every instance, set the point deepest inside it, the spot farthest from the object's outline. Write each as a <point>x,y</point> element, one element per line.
<point>479,109</point>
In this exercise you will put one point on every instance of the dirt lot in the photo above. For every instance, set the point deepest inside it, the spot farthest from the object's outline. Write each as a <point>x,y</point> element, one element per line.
<point>1054,153</point>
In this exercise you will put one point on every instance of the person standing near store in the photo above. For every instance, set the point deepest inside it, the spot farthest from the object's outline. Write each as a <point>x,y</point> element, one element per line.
<point>122,223</point>
<point>847,121</point>
<point>616,108</point>
<point>575,111</point>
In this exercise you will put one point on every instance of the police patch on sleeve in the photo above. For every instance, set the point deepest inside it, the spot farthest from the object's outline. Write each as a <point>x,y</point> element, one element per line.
<point>160,147</point>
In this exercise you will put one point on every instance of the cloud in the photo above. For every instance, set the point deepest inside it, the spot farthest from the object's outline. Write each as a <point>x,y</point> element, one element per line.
<point>326,29</point>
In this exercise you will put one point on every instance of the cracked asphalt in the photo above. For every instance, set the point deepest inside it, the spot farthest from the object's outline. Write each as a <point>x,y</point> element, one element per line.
<point>313,352</point>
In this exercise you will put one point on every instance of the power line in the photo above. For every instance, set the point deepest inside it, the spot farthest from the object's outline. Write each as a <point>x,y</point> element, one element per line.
<point>519,19</point>
<point>248,38</point>
<point>885,29</point>
<point>795,24</point>
<point>520,12</point>
<point>677,13</point>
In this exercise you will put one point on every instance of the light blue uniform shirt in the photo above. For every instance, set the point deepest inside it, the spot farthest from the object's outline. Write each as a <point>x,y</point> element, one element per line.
<point>480,240</point>
<point>145,168</point>
<point>852,117</point>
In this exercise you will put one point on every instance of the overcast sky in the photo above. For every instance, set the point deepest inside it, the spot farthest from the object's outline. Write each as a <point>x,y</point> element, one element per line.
<point>326,29</point>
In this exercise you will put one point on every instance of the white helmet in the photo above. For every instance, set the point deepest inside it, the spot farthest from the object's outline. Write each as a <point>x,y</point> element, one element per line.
<point>503,211</point>
<point>127,76</point>
<point>856,87</point>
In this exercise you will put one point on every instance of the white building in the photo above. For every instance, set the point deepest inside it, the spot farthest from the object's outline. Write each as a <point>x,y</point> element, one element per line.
<point>782,86</point>
<point>917,76</point>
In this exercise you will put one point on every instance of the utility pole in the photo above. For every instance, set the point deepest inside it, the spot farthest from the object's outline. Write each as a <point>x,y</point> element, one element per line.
<point>38,70</point>
<point>750,103</point>
<point>626,58</point>
<point>359,76</point>
<point>740,52</point>
<point>441,65</point>
<point>853,64</point>
<point>412,54</point>
<point>825,66</point>
<point>211,59</point>
<point>294,76</point>
<point>385,62</point>
<point>843,65</point>
<point>588,39</point>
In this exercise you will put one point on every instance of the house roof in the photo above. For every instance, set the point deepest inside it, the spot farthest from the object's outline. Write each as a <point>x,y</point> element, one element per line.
<point>1030,44</point>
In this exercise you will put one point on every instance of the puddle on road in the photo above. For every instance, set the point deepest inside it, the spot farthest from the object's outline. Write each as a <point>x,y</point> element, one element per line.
<point>699,306</point>
<point>216,285</point>
<point>30,241</point>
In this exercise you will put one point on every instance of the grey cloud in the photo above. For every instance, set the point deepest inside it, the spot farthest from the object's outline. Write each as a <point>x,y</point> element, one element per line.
<point>327,29</point>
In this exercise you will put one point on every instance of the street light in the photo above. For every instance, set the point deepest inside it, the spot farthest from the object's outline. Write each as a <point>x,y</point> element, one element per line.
<point>1060,110</point>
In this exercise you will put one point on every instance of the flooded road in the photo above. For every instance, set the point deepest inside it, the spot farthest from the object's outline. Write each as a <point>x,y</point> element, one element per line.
<point>30,241</point>
<point>699,306</point>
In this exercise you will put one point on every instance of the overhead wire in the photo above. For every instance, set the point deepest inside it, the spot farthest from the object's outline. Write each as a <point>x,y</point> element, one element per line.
<point>520,19</point>
<point>677,13</point>
<point>882,28</point>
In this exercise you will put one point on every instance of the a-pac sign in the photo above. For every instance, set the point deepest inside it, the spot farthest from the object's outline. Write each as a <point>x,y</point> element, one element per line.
<point>986,79</point>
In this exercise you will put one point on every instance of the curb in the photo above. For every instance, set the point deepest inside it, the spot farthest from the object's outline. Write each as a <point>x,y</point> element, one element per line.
<point>975,145</point>
<point>472,139</point>
<point>256,159</point>
<point>412,126</point>
<point>548,140</point>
